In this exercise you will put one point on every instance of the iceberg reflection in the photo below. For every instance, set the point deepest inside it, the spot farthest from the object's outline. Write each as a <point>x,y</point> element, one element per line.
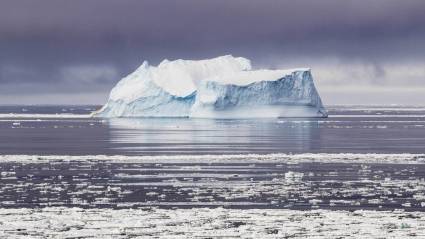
<point>212,136</point>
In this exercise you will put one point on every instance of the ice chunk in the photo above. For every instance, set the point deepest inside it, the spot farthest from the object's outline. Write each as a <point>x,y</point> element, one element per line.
<point>257,94</point>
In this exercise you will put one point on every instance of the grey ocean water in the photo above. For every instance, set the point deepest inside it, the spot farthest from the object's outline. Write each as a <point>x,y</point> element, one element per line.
<point>91,182</point>
<point>347,130</point>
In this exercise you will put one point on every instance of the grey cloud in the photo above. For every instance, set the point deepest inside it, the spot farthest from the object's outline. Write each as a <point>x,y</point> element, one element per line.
<point>89,74</point>
<point>50,42</point>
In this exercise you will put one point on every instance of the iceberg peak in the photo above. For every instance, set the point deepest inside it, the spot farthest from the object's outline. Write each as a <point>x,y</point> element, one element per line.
<point>144,65</point>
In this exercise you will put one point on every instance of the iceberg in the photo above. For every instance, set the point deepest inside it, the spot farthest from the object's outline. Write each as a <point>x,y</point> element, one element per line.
<point>222,87</point>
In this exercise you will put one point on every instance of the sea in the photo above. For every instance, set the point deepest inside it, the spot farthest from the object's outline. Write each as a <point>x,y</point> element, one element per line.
<point>367,158</point>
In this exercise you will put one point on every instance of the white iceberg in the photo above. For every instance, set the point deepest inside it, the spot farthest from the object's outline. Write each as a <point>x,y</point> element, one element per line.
<point>222,87</point>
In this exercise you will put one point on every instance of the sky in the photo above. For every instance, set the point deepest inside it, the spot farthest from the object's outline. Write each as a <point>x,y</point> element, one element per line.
<point>74,52</point>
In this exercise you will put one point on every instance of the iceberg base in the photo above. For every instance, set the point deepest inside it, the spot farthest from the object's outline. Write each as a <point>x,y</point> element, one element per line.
<point>267,111</point>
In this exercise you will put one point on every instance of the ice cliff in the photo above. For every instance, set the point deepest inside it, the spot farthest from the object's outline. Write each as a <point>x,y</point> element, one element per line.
<point>222,87</point>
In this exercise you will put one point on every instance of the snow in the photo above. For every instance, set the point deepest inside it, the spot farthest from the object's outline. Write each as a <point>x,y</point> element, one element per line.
<point>243,78</point>
<point>178,78</point>
<point>189,88</point>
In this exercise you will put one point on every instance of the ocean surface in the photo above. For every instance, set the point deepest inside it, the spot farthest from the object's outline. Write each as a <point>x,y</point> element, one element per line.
<point>358,158</point>
<point>64,174</point>
<point>68,130</point>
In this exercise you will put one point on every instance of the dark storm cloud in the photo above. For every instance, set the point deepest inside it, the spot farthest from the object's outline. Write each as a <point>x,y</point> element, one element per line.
<point>51,41</point>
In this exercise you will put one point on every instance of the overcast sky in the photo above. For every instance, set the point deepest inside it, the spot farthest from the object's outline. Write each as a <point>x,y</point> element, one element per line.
<point>74,52</point>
